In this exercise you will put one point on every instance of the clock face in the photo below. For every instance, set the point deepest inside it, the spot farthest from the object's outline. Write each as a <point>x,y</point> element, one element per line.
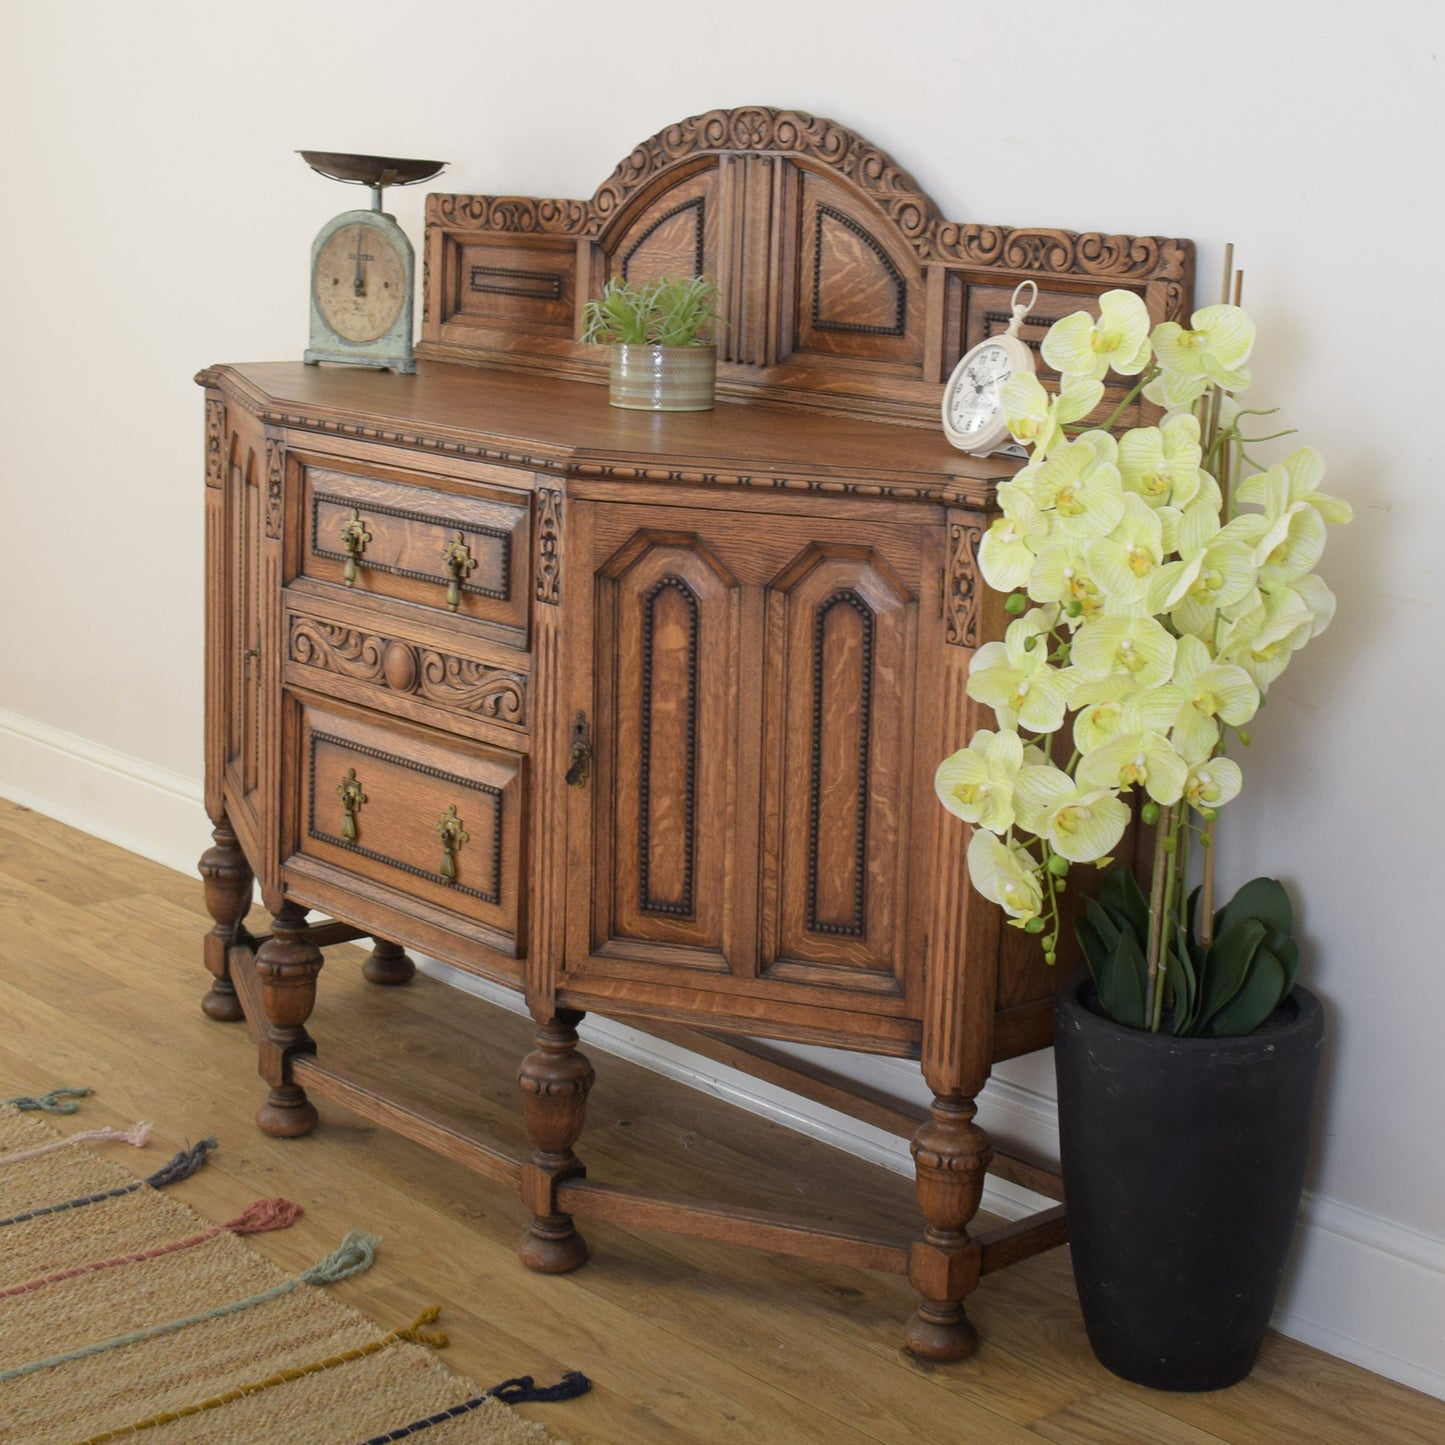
<point>360,283</point>
<point>976,400</point>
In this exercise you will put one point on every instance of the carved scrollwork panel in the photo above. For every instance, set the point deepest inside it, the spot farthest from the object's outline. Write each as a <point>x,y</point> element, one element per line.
<point>549,545</point>
<point>962,598</point>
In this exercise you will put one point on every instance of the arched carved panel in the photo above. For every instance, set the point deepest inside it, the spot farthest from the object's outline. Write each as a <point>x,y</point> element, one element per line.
<point>840,284</point>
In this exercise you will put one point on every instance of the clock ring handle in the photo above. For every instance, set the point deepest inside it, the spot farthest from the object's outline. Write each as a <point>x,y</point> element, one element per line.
<point>1020,309</point>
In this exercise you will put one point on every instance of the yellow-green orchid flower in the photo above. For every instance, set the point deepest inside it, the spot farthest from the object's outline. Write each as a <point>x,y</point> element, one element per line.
<point>1015,679</point>
<point>1213,571</point>
<point>1079,824</point>
<point>1215,348</point>
<point>1213,782</point>
<point>1080,484</point>
<point>1139,648</point>
<point>1161,463</point>
<point>977,782</point>
<point>1296,479</point>
<point>1061,575</point>
<point>1080,346</point>
<point>1006,553</point>
<point>1005,874</point>
<point>1037,420</point>
<point>1126,560</point>
<point>1213,692</point>
<point>1142,759</point>
<point>1262,637</point>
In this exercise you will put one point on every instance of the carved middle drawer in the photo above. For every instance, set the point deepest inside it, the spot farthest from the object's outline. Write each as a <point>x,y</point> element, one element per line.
<point>431,825</point>
<point>428,673</point>
<point>375,533</point>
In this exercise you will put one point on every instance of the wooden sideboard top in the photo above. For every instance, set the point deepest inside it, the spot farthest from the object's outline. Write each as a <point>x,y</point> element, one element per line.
<point>553,425</point>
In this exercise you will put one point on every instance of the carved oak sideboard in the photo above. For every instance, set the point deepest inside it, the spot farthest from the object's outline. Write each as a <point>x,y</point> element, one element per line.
<point>634,713</point>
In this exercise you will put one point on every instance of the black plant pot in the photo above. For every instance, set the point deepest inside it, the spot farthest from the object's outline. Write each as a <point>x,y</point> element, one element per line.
<point>1183,1164</point>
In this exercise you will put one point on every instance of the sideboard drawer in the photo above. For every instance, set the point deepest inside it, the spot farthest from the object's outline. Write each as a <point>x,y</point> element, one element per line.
<point>381,536</point>
<point>438,821</point>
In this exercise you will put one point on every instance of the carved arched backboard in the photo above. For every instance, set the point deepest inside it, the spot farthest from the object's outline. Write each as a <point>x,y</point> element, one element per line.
<point>841,286</point>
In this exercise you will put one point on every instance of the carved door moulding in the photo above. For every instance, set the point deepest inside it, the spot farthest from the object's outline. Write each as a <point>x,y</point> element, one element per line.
<point>841,284</point>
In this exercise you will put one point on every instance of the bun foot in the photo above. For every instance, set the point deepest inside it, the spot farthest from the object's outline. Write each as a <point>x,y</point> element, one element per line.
<point>389,965</point>
<point>286,1118</point>
<point>222,1004</point>
<point>942,1334</point>
<point>548,1253</point>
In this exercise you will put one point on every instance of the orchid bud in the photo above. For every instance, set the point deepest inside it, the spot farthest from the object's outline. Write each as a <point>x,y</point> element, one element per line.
<point>1034,925</point>
<point>1016,604</point>
<point>1059,867</point>
<point>1150,812</point>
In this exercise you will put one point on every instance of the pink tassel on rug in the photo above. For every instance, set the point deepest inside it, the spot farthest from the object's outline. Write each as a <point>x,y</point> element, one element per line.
<point>137,1135</point>
<point>263,1216</point>
<point>258,1218</point>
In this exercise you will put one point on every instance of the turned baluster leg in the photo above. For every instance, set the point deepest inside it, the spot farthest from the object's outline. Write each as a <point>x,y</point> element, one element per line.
<point>950,1156</point>
<point>555,1078</point>
<point>286,966</point>
<point>228,881</point>
<point>389,964</point>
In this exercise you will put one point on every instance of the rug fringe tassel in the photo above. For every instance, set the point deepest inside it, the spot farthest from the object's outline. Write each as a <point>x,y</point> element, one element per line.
<point>433,1339</point>
<point>357,1252</point>
<point>265,1215</point>
<point>57,1101</point>
<point>525,1390</point>
<point>137,1134</point>
<point>184,1164</point>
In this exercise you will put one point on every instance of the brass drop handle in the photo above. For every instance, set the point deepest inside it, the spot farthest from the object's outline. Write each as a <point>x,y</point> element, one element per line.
<point>460,563</point>
<point>581,752</point>
<point>349,791</point>
<point>354,538</point>
<point>453,835</point>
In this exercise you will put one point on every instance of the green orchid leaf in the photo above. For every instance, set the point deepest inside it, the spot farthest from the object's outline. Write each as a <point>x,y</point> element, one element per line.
<point>1227,966</point>
<point>1286,950</point>
<point>1186,985</point>
<point>1262,993</point>
<point>1261,898</point>
<point>1094,949</point>
<point>1105,929</point>
<point>1121,984</point>
<point>1123,898</point>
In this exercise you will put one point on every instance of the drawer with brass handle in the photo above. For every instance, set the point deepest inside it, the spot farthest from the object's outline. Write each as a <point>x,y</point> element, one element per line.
<point>465,555</point>
<point>437,820</point>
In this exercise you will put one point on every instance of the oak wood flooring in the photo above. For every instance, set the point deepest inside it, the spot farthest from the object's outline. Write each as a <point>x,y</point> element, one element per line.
<point>100,982</point>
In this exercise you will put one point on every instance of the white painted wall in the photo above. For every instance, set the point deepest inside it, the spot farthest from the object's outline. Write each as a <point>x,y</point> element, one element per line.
<point>156,220</point>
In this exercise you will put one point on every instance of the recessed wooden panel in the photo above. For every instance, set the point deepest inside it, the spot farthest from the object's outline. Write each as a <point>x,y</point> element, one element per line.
<point>510,281</point>
<point>669,609</point>
<point>837,750</point>
<point>859,294</point>
<point>674,235</point>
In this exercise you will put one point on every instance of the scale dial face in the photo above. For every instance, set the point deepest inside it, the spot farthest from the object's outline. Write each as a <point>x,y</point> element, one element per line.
<point>360,283</point>
<point>974,400</point>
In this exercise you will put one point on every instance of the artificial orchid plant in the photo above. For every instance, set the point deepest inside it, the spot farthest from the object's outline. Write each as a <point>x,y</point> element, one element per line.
<point>1160,582</point>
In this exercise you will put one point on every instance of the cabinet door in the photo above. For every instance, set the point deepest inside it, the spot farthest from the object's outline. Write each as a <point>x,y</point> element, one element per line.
<point>751,690</point>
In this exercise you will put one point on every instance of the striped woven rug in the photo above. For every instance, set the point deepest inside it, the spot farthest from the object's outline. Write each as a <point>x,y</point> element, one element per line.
<point>126,1315</point>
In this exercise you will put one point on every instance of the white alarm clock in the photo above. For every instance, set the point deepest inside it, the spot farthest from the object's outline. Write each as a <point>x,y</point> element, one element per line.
<point>973,418</point>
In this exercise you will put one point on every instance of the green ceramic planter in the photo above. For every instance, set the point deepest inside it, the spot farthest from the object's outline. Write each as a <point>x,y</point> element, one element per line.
<point>663,378</point>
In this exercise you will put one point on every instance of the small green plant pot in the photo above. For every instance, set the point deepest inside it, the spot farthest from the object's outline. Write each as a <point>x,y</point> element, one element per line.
<point>663,378</point>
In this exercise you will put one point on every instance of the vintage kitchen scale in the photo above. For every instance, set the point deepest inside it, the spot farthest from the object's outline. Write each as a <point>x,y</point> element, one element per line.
<point>363,269</point>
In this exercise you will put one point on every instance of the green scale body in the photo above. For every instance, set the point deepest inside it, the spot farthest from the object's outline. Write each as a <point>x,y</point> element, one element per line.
<point>363,273</point>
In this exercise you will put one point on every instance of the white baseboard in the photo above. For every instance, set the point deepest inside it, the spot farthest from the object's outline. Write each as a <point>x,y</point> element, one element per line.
<point>135,804</point>
<point>1361,1287</point>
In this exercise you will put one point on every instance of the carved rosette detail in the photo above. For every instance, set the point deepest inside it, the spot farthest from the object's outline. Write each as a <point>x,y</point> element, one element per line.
<point>453,682</point>
<point>549,545</point>
<point>275,461</point>
<point>510,213</point>
<point>215,440</point>
<point>961,602</point>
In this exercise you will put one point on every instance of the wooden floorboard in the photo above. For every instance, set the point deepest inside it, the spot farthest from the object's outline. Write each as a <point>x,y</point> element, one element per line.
<point>685,1340</point>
